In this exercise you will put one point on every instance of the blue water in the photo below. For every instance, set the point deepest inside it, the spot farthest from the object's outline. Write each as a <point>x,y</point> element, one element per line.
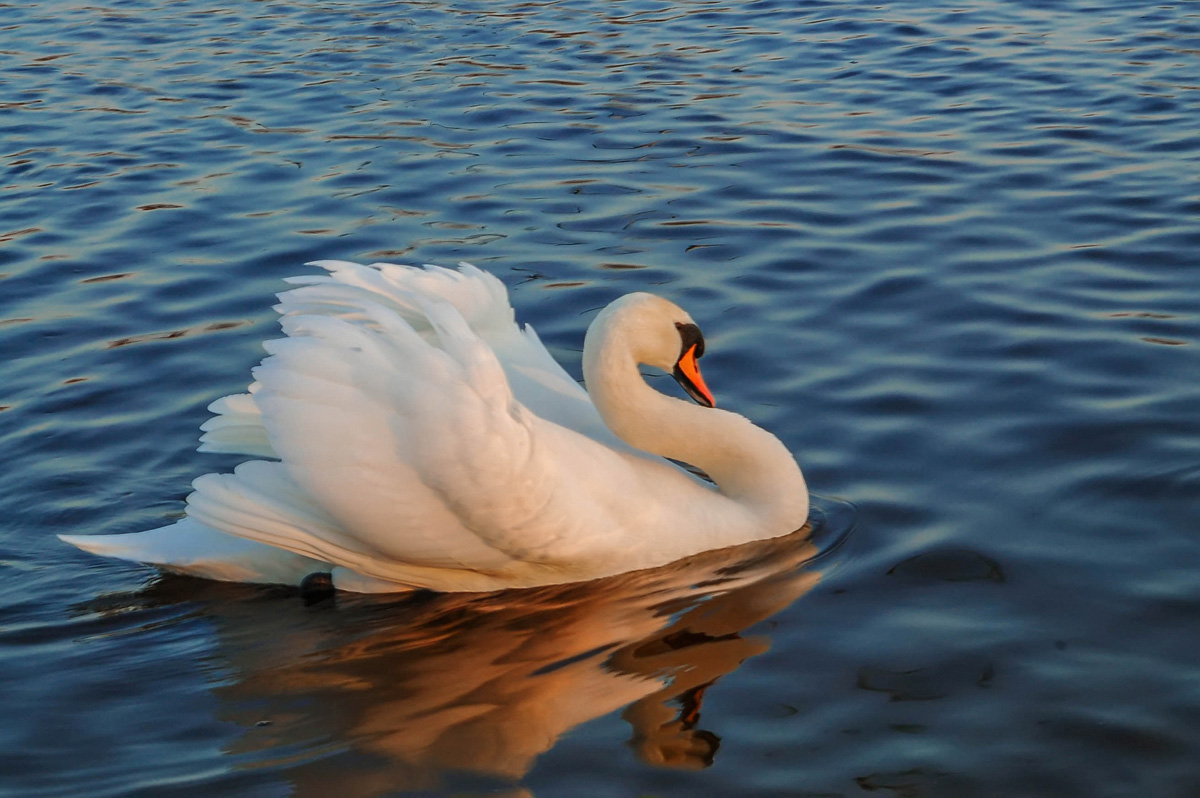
<point>945,252</point>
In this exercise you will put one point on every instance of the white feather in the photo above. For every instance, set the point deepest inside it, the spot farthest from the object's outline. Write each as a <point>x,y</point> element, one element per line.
<point>417,437</point>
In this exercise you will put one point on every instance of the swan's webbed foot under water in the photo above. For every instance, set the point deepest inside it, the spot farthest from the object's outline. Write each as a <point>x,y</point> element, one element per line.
<point>317,587</point>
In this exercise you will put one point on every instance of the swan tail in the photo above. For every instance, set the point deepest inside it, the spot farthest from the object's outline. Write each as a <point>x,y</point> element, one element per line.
<point>189,547</point>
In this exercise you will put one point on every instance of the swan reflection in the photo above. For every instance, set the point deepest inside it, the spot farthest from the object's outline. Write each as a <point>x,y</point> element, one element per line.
<point>484,683</point>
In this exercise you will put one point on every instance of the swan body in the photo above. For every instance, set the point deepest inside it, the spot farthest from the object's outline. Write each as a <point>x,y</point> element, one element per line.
<point>407,433</point>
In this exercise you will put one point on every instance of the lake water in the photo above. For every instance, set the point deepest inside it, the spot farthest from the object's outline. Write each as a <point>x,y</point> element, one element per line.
<point>947,252</point>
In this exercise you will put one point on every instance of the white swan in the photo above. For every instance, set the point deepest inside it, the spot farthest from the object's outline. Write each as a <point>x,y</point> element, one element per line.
<point>410,434</point>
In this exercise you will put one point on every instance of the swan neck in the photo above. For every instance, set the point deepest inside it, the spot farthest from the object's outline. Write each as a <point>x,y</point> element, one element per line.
<point>747,463</point>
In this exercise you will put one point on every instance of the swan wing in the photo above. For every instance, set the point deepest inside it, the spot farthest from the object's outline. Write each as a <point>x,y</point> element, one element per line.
<point>405,453</point>
<point>536,378</point>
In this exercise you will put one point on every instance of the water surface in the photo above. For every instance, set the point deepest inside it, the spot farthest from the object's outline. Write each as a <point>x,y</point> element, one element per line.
<point>945,252</point>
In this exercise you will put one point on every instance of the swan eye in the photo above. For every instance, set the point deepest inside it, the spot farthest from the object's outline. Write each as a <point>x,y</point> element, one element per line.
<point>689,336</point>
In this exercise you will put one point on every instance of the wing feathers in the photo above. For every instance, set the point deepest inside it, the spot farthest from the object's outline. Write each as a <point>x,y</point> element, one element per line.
<point>403,449</point>
<point>236,428</point>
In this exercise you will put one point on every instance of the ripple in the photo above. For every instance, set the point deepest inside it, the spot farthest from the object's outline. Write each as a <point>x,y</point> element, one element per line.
<point>943,252</point>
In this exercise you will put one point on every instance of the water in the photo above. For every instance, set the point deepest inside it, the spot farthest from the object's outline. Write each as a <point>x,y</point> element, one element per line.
<point>945,253</point>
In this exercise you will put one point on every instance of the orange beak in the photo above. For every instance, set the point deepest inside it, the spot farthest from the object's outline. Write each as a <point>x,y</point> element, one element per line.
<point>687,374</point>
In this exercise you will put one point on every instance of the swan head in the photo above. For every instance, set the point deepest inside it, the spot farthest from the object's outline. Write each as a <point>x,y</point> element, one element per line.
<point>658,333</point>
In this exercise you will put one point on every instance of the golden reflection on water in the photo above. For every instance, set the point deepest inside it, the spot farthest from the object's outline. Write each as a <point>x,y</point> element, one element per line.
<point>485,683</point>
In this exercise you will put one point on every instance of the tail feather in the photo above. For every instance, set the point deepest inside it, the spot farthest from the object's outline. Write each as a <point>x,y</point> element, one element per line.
<point>189,547</point>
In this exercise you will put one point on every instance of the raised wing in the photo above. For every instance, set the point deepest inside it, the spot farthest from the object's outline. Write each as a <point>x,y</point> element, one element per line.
<point>536,379</point>
<point>403,446</point>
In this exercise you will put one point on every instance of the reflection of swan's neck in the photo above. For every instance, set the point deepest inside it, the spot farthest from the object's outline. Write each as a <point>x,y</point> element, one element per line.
<point>748,464</point>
